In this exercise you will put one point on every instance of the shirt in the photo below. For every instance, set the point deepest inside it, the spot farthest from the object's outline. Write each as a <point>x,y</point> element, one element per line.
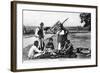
<point>32,49</point>
<point>50,45</point>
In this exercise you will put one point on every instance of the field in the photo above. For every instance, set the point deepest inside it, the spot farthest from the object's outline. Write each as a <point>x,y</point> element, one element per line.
<point>82,40</point>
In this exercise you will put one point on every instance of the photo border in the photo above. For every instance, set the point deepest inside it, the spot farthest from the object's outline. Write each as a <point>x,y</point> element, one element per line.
<point>14,35</point>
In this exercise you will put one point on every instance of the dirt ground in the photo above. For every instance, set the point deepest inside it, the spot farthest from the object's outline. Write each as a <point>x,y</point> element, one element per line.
<point>77,39</point>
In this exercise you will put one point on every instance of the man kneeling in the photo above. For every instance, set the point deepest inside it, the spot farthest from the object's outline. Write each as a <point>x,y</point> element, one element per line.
<point>34,51</point>
<point>68,49</point>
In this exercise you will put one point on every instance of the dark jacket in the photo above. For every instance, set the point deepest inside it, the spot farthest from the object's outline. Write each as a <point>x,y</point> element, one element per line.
<point>50,45</point>
<point>40,33</point>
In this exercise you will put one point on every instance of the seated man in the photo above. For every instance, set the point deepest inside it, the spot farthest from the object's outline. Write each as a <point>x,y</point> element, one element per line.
<point>34,51</point>
<point>68,49</point>
<point>50,47</point>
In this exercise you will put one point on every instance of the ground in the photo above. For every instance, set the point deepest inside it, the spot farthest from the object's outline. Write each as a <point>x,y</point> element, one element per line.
<point>82,40</point>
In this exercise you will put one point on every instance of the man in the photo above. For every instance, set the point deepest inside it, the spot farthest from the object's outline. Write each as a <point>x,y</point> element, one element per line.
<point>50,46</point>
<point>34,51</point>
<point>68,49</point>
<point>62,36</point>
<point>41,36</point>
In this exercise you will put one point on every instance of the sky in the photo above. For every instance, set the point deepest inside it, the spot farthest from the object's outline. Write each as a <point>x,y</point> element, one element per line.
<point>49,18</point>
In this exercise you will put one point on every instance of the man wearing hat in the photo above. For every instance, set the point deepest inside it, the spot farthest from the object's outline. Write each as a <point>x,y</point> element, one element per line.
<point>41,36</point>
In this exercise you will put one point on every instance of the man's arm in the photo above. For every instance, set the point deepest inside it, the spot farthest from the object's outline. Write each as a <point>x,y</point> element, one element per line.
<point>43,33</point>
<point>58,32</point>
<point>69,45</point>
<point>37,50</point>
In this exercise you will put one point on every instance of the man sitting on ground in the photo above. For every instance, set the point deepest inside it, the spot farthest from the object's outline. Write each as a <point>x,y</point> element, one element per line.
<point>68,49</point>
<point>34,51</point>
<point>50,47</point>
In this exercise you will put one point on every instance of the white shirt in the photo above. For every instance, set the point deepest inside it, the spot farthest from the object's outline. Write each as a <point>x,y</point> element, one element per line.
<point>33,48</point>
<point>61,32</point>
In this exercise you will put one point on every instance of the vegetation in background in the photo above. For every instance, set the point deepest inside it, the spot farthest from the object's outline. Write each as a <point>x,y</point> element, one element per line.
<point>86,17</point>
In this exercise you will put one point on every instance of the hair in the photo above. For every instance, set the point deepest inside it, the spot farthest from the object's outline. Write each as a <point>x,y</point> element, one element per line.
<point>36,43</point>
<point>51,39</point>
<point>62,27</point>
<point>68,41</point>
<point>41,24</point>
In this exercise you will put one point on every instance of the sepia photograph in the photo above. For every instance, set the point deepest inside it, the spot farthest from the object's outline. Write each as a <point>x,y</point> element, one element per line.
<point>49,36</point>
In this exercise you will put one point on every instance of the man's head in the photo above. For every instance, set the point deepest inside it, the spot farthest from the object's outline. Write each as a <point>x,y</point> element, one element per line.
<point>41,24</point>
<point>61,27</point>
<point>36,43</point>
<point>50,40</point>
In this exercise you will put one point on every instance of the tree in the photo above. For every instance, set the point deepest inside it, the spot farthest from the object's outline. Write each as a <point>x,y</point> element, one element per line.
<point>24,29</point>
<point>86,17</point>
